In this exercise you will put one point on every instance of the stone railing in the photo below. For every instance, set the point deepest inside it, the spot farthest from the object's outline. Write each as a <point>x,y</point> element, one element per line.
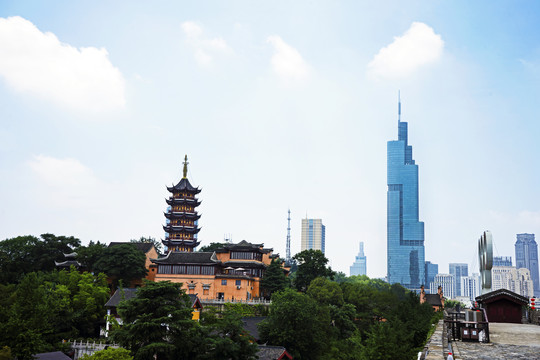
<point>87,348</point>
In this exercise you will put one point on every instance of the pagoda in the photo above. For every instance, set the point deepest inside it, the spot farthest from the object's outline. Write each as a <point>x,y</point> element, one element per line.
<point>182,218</point>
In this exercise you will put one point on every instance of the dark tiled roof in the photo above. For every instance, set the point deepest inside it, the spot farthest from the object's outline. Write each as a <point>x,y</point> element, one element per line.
<point>56,355</point>
<point>491,296</point>
<point>142,246</point>
<point>207,258</point>
<point>184,184</point>
<point>245,264</point>
<point>250,325</point>
<point>129,293</point>
<point>273,353</point>
<point>433,299</point>
<point>194,299</point>
<point>68,263</point>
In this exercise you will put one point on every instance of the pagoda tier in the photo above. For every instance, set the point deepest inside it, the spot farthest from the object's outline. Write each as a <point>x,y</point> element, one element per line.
<point>181,215</point>
<point>176,228</point>
<point>181,231</point>
<point>182,201</point>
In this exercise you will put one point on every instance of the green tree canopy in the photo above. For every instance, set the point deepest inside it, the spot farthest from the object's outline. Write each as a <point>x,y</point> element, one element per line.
<point>211,247</point>
<point>109,354</point>
<point>122,262</point>
<point>311,265</point>
<point>155,321</point>
<point>298,323</point>
<point>88,255</point>
<point>24,254</point>
<point>326,292</point>
<point>274,278</point>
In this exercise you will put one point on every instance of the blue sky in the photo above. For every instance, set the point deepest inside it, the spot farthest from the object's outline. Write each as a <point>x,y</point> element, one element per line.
<point>277,105</point>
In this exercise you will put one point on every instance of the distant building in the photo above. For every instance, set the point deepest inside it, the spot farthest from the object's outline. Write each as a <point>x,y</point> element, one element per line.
<point>458,270</point>
<point>431,271</point>
<point>470,286</point>
<point>527,257</point>
<point>405,233</point>
<point>313,235</point>
<point>510,278</point>
<point>502,261</point>
<point>448,284</point>
<point>359,265</point>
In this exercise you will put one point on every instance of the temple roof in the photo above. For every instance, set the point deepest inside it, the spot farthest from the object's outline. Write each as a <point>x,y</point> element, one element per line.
<point>121,295</point>
<point>184,184</point>
<point>68,263</point>
<point>245,263</point>
<point>176,258</point>
<point>243,246</point>
<point>495,295</point>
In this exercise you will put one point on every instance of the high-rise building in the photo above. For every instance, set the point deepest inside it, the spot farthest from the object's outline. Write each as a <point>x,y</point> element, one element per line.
<point>359,265</point>
<point>527,257</point>
<point>431,271</point>
<point>405,233</point>
<point>313,235</point>
<point>502,261</point>
<point>458,270</point>
<point>448,284</point>
<point>510,278</point>
<point>470,286</point>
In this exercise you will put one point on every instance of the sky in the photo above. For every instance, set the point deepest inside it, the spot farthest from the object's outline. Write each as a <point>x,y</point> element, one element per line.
<point>279,105</point>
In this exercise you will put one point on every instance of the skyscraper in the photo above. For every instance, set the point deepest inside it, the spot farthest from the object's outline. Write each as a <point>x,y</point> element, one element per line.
<point>502,261</point>
<point>405,233</point>
<point>458,270</point>
<point>359,265</point>
<point>470,286</point>
<point>313,234</point>
<point>527,257</point>
<point>431,271</point>
<point>448,284</point>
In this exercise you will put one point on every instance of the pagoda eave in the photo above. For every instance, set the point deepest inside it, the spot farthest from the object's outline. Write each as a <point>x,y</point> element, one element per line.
<point>173,228</point>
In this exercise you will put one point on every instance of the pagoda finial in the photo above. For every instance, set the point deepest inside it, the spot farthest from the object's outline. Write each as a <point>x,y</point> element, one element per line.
<point>185,167</point>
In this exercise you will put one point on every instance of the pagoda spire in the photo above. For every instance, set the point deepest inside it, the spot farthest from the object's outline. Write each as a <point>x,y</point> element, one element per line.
<point>185,167</point>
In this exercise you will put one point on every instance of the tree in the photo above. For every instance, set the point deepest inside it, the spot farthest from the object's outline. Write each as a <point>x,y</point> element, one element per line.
<point>212,247</point>
<point>312,264</point>
<point>90,254</point>
<point>298,323</point>
<point>158,321</point>
<point>24,254</point>
<point>109,354</point>
<point>274,278</point>
<point>122,262</point>
<point>150,240</point>
<point>326,292</point>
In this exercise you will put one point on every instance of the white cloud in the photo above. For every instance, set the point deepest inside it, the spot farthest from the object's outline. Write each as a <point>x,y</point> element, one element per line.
<point>287,61</point>
<point>417,47</point>
<point>65,182</point>
<point>204,49</point>
<point>38,63</point>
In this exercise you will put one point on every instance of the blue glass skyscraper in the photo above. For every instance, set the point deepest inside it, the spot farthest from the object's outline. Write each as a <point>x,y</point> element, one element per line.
<point>405,233</point>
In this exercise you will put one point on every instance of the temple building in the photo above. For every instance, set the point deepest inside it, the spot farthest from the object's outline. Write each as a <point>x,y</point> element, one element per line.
<point>232,272</point>
<point>182,218</point>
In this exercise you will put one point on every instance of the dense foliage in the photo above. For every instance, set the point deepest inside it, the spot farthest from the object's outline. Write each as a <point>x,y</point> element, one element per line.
<point>44,308</point>
<point>311,265</point>
<point>211,247</point>
<point>122,262</point>
<point>109,354</point>
<point>274,278</point>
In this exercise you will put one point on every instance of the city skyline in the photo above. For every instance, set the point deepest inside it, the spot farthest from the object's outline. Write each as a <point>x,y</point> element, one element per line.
<point>272,102</point>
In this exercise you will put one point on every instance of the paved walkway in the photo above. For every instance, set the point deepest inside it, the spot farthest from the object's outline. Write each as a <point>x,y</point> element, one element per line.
<point>508,342</point>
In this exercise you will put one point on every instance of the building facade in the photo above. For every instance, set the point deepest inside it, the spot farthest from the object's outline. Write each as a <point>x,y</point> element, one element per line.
<point>405,233</point>
<point>502,261</point>
<point>431,270</point>
<point>510,278</point>
<point>458,270</point>
<point>359,267</point>
<point>313,235</point>
<point>527,257</point>
<point>448,284</point>
<point>470,286</point>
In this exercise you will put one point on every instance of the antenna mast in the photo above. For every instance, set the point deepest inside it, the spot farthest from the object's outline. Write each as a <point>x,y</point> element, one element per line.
<point>288,251</point>
<point>399,106</point>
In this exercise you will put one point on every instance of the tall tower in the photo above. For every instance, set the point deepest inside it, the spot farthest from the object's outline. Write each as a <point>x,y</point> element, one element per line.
<point>527,257</point>
<point>182,218</point>
<point>359,267</point>
<point>313,235</point>
<point>459,270</point>
<point>288,247</point>
<point>405,233</point>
